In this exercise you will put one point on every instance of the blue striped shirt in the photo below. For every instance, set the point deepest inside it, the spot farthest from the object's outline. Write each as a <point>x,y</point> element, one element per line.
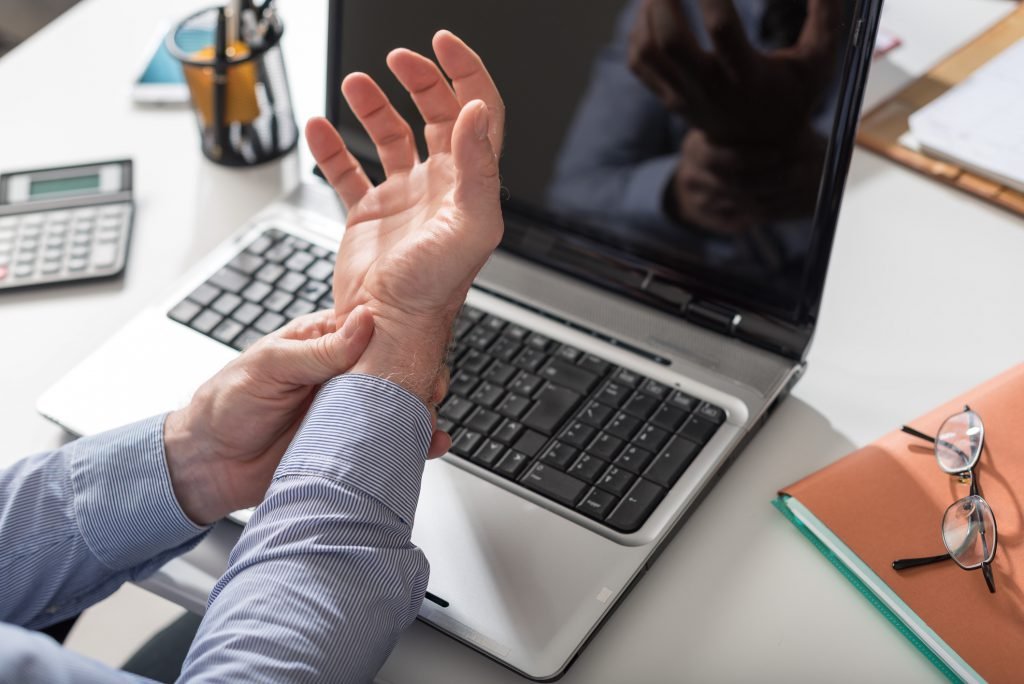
<point>320,585</point>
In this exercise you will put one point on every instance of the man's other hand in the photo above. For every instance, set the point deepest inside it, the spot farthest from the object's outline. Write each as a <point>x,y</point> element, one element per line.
<point>414,243</point>
<point>223,448</point>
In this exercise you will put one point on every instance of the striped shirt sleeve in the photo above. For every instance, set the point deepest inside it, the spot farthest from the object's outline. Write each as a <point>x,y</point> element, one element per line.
<point>77,522</point>
<point>325,576</point>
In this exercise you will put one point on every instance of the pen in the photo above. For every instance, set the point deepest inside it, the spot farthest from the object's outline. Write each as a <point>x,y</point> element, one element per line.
<point>219,83</point>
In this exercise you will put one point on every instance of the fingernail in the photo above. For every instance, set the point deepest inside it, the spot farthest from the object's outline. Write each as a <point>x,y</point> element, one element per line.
<point>482,121</point>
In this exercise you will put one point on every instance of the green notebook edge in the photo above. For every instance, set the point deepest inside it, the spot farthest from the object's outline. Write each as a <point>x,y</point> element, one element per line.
<point>783,504</point>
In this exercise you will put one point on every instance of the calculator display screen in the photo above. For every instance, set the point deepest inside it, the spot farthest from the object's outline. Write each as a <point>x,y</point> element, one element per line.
<point>64,186</point>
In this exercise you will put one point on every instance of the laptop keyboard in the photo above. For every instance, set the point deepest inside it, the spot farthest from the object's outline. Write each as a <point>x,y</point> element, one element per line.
<point>568,425</point>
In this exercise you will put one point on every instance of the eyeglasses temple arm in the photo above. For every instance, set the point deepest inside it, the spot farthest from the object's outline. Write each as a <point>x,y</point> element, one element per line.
<point>905,563</point>
<point>986,570</point>
<point>911,431</point>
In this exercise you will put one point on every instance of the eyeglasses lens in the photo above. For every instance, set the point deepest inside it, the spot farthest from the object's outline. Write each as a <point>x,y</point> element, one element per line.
<point>969,531</point>
<point>958,444</point>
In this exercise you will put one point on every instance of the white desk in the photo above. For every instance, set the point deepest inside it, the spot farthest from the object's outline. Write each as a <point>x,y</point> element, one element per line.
<point>922,302</point>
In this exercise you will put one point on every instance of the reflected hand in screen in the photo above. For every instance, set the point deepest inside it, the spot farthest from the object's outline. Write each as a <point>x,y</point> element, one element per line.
<point>750,154</point>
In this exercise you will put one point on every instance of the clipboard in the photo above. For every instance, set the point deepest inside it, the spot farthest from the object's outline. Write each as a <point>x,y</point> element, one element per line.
<point>882,127</point>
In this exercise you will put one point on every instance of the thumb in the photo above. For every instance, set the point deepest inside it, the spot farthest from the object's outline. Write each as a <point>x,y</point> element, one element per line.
<point>315,361</point>
<point>477,183</point>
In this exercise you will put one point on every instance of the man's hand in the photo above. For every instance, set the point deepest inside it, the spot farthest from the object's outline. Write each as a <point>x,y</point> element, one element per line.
<point>734,93</point>
<point>222,449</point>
<point>414,243</point>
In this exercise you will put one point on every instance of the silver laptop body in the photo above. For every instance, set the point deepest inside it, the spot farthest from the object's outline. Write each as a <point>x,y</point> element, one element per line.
<point>514,575</point>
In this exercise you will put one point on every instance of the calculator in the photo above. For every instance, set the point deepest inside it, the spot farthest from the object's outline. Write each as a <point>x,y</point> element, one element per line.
<point>66,224</point>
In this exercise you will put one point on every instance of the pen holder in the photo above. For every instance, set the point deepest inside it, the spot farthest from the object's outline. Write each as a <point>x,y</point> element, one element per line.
<point>239,88</point>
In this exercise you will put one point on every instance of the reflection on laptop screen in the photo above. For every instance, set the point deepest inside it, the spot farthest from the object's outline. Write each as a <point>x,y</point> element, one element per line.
<point>633,139</point>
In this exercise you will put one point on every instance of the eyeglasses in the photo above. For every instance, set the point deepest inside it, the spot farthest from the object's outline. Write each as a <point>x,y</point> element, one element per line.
<point>968,525</point>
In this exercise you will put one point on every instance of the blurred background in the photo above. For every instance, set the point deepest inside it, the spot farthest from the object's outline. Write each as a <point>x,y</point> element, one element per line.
<point>19,19</point>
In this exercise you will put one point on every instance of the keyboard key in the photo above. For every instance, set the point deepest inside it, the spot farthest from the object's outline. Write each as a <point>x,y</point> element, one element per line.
<point>530,442</point>
<point>698,429</point>
<point>623,425</point>
<point>525,384</point>
<point>568,354</point>
<point>487,394</point>
<point>711,412</point>
<point>567,375</point>
<point>226,303</point>
<point>313,291</point>
<point>683,401</point>
<point>269,322</point>
<point>636,506</point>
<point>504,349</point>
<point>299,261</point>
<point>480,338</point>
<point>463,384</point>
<point>508,432</point>
<point>655,388</point>
<point>227,331</point>
<point>456,408</point>
<point>474,362</point>
<point>299,307</point>
<point>669,417</point>
<point>559,455</point>
<point>511,464</point>
<point>461,327</point>
<point>247,262</point>
<point>651,438</point>
<point>277,301</point>
<point>206,321</point>
<point>290,282</point>
<point>278,252</point>
<point>500,372</point>
<point>594,364</point>
<point>587,468</point>
<point>613,394</point>
<point>578,434</point>
<point>538,342</point>
<point>513,406</point>
<point>247,339</point>
<point>472,313</point>
<point>605,446</point>
<point>256,291</point>
<point>553,405</point>
<point>596,504</point>
<point>670,463</point>
<point>640,405</point>
<point>634,459</point>
<point>184,311</point>
<point>467,442</point>
<point>269,273</point>
<point>247,313</point>
<point>260,245</point>
<point>445,425</point>
<point>516,332</point>
<point>204,294</point>
<point>483,421</point>
<point>320,252</point>
<point>493,323</point>
<point>489,453</point>
<point>595,413</point>
<point>229,279</point>
<point>554,484</point>
<point>626,377</point>
<point>321,270</point>
<point>530,359</point>
<point>616,480</point>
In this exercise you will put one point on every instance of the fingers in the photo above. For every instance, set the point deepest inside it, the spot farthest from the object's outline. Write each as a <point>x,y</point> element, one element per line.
<point>727,34</point>
<point>430,91</point>
<point>340,168</point>
<point>665,56</point>
<point>818,36</point>
<point>309,326</point>
<point>315,360</point>
<point>471,81</point>
<point>477,185</point>
<point>388,130</point>
<point>440,443</point>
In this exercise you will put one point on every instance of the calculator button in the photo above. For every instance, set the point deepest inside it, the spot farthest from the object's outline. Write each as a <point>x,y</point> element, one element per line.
<point>50,267</point>
<point>23,270</point>
<point>77,264</point>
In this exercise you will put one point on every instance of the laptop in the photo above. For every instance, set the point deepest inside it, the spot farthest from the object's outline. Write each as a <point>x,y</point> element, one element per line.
<point>648,308</point>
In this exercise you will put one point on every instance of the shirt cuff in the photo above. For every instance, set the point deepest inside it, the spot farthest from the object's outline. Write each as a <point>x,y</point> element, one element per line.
<point>366,433</point>
<point>124,501</point>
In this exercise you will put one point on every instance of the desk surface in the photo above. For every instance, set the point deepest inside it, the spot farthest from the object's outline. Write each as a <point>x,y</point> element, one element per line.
<point>922,301</point>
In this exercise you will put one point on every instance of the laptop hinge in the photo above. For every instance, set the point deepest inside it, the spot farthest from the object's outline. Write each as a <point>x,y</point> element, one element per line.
<point>714,316</point>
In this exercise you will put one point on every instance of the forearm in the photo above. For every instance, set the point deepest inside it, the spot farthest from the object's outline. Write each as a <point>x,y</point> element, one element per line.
<point>325,577</point>
<point>77,522</point>
<point>27,657</point>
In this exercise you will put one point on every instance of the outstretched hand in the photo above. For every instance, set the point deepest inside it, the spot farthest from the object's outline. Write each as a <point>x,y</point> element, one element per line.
<point>414,243</point>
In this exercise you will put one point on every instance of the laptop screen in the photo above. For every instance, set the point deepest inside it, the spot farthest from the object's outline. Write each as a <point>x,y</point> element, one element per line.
<point>641,154</point>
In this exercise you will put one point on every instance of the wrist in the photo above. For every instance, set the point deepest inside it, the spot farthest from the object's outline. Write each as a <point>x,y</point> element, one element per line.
<point>183,450</point>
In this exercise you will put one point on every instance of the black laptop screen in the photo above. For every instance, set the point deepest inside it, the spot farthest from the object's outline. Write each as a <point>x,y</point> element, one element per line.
<point>641,155</point>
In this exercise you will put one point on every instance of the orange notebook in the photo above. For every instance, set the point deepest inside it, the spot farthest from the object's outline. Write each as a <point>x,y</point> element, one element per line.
<point>886,501</point>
